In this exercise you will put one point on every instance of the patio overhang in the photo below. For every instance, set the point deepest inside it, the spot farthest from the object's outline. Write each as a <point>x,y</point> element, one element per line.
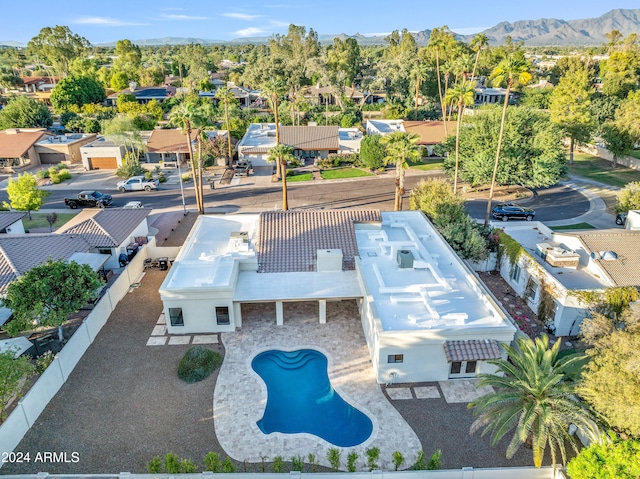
<point>472,350</point>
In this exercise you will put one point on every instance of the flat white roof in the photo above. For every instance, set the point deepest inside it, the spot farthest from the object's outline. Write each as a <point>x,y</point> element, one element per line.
<point>385,126</point>
<point>438,292</point>
<point>530,234</point>
<point>259,135</point>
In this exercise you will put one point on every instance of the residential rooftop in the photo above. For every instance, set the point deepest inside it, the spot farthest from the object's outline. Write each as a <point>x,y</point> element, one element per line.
<point>64,139</point>
<point>259,138</point>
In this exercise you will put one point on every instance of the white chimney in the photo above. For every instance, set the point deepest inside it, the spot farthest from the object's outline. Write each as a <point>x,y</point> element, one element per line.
<point>329,260</point>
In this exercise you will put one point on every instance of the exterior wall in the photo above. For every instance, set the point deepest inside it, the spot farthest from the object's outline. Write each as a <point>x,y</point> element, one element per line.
<point>72,150</point>
<point>255,159</point>
<point>29,160</point>
<point>16,228</point>
<point>198,312</point>
<point>86,154</point>
<point>627,160</point>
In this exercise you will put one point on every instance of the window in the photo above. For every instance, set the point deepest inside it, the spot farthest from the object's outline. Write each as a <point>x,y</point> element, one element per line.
<point>515,273</point>
<point>104,251</point>
<point>531,290</point>
<point>470,368</point>
<point>175,315</point>
<point>222,315</point>
<point>463,369</point>
<point>456,367</point>
<point>395,358</point>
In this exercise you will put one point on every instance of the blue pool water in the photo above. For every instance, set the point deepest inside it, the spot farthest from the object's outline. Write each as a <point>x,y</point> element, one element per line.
<point>300,398</point>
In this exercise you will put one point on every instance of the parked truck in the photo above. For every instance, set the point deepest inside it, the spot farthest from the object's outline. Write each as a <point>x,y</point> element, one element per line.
<point>88,199</point>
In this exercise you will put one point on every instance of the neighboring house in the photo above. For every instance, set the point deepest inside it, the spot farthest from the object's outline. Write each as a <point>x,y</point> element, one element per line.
<point>633,220</point>
<point>541,84</point>
<point>349,140</point>
<point>57,149</point>
<point>430,133</point>
<point>169,145</point>
<point>21,252</point>
<point>484,95</point>
<point>558,263</point>
<point>244,96</point>
<point>425,315</point>
<point>143,94</point>
<point>384,127</point>
<point>39,84</point>
<point>102,154</point>
<point>308,142</point>
<point>11,222</point>
<point>17,149</point>
<point>323,95</point>
<point>110,231</point>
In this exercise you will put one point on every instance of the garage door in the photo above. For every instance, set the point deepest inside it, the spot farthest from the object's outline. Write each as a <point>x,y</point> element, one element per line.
<point>51,158</point>
<point>103,163</point>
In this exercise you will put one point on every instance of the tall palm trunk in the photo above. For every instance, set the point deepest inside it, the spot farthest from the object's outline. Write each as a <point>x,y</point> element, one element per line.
<point>285,203</point>
<point>475,65</point>
<point>495,165</point>
<point>226,119</point>
<point>444,113</point>
<point>415,111</point>
<point>199,183</point>
<point>455,175</point>
<point>192,157</point>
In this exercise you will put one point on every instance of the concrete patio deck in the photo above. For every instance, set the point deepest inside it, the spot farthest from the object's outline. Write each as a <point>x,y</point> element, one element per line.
<point>240,394</point>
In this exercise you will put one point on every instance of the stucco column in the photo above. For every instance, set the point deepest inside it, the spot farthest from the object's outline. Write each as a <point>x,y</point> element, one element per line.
<point>279,313</point>
<point>237,315</point>
<point>322,310</point>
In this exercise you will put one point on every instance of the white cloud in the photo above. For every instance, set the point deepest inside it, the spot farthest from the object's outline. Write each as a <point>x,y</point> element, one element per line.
<point>468,30</point>
<point>278,23</point>
<point>106,22</point>
<point>173,16</point>
<point>240,16</point>
<point>247,32</point>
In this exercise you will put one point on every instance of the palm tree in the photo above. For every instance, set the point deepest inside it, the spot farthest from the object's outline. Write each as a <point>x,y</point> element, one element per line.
<point>419,74</point>
<point>463,95</point>
<point>224,94</point>
<point>478,43</point>
<point>533,395</point>
<point>272,90</point>
<point>436,43</point>
<point>281,155</point>
<point>511,68</point>
<point>401,147</point>
<point>187,116</point>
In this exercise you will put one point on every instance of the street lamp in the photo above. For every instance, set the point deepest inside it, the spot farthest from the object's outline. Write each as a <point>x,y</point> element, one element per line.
<point>184,206</point>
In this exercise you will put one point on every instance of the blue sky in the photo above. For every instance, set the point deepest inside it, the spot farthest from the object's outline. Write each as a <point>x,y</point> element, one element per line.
<point>107,21</point>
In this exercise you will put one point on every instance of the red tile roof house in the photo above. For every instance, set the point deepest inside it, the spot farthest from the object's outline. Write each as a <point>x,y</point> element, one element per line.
<point>167,145</point>
<point>17,149</point>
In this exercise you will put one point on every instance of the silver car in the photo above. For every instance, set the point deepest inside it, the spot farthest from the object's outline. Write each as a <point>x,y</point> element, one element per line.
<point>137,183</point>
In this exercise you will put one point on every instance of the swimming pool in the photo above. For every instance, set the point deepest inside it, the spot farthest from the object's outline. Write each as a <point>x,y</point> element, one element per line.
<point>300,398</point>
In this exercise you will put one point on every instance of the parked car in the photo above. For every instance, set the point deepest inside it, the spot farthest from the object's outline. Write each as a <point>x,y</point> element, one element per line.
<point>244,168</point>
<point>621,219</point>
<point>137,183</point>
<point>508,211</point>
<point>132,205</point>
<point>88,198</point>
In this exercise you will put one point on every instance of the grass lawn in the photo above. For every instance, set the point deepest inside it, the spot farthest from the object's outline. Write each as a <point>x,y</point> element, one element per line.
<point>39,220</point>
<point>343,173</point>
<point>635,154</point>
<point>300,177</point>
<point>431,164</point>
<point>577,226</point>
<point>598,169</point>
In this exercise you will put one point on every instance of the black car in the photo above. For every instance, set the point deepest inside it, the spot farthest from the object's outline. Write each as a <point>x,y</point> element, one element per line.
<point>508,211</point>
<point>88,198</point>
<point>621,218</point>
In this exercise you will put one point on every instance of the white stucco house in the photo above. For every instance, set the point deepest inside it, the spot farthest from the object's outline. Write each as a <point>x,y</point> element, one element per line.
<point>557,263</point>
<point>425,315</point>
<point>384,127</point>
<point>11,222</point>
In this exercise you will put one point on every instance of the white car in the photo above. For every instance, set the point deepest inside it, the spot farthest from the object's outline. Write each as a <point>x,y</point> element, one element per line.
<point>137,183</point>
<point>133,204</point>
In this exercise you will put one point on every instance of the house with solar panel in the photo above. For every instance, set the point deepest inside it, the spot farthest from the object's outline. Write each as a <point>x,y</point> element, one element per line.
<point>556,264</point>
<point>424,313</point>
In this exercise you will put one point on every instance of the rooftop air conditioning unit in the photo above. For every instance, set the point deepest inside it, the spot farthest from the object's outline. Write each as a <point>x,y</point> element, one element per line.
<point>240,236</point>
<point>405,258</point>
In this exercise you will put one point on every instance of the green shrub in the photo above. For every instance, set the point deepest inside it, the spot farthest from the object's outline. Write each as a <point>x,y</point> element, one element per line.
<point>197,364</point>
<point>172,464</point>
<point>434,461</point>
<point>352,461</point>
<point>55,178</point>
<point>373,454</point>
<point>398,459</point>
<point>42,174</point>
<point>155,466</point>
<point>64,174</point>
<point>212,462</point>
<point>148,175</point>
<point>186,177</point>
<point>162,178</point>
<point>333,455</point>
<point>297,463</point>
<point>278,464</point>
<point>312,461</point>
<point>228,466</point>
<point>420,463</point>
<point>43,362</point>
<point>188,466</point>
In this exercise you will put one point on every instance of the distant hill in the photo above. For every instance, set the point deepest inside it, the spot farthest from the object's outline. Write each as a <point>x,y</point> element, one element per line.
<point>541,32</point>
<point>11,43</point>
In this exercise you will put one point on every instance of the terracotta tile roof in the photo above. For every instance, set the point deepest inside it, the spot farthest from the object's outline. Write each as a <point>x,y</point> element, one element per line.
<point>169,141</point>
<point>310,137</point>
<point>430,132</point>
<point>289,240</point>
<point>20,253</point>
<point>472,350</point>
<point>109,228</point>
<point>7,218</point>
<point>15,142</point>
<point>625,270</point>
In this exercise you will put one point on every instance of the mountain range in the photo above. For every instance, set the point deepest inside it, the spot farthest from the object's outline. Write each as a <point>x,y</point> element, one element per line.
<point>541,32</point>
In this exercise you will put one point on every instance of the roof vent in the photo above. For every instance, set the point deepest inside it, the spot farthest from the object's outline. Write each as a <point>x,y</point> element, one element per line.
<point>608,255</point>
<point>405,258</point>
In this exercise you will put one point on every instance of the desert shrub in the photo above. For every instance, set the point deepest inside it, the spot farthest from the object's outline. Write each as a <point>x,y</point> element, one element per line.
<point>212,462</point>
<point>188,466</point>
<point>297,463</point>
<point>373,454</point>
<point>42,174</point>
<point>43,362</point>
<point>197,364</point>
<point>398,459</point>
<point>162,178</point>
<point>434,461</point>
<point>352,461</point>
<point>421,463</point>
<point>228,466</point>
<point>64,174</point>
<point>333,456</point>
<point>278,464</point>
<point>155,465</point>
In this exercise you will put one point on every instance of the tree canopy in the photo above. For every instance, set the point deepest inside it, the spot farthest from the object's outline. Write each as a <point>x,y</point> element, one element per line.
<point>24,194</point>
<point>629,197</point>
<point>76,91</point>
<point>58,46</point>
<point>532,154</point>
<point>47,294</point>
<point>12,379</point>
<point>25,112</point>
<point>612,458</point>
